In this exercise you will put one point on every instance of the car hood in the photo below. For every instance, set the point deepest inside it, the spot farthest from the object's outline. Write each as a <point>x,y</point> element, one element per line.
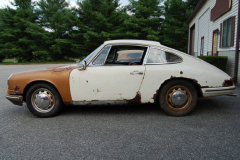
<point>63,67</point>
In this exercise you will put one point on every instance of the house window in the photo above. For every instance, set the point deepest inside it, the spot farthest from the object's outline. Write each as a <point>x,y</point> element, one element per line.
<point>215,43</point>
<point>226,33</point>
<point>202,46</point>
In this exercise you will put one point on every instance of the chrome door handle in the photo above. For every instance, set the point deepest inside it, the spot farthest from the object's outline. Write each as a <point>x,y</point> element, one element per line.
<point>136,72</point>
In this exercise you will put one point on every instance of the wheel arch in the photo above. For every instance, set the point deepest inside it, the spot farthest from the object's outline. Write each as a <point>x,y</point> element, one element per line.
<point>192,81</point>
<point>29,85</point>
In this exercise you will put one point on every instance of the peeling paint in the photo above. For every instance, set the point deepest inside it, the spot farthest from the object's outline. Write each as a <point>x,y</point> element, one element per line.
<point>73,80</point>
<point>101,103</point>
<point>16,90</point>
<point>135,100</point>
<point>155,96</point>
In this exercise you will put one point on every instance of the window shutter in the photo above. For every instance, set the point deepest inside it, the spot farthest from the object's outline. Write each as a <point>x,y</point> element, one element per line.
<point>220,36</point>
<point>232,31</point>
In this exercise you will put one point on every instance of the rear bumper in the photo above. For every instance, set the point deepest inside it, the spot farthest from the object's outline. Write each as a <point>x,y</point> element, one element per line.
<point>15,99</point>
<point>211,92</point>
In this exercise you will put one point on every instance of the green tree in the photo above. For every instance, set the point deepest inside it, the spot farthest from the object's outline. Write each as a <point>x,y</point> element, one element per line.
<point>16,40</point>
<point>175,29</point>
<point>145,21</point>
<point>55,18</point>
<point>2,26</point>
<point>191,4</point>
<point>99,20</point>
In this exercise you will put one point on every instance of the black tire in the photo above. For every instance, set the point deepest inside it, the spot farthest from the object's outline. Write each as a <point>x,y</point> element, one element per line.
<point>178,97</point>
<point>43,100</point>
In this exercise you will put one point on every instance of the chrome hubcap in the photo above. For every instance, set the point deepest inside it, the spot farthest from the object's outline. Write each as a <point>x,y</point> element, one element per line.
<point>43,100</point>
<point>178,98</point>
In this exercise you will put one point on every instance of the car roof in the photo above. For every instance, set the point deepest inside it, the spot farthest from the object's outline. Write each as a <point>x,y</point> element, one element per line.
<point>133,41</point>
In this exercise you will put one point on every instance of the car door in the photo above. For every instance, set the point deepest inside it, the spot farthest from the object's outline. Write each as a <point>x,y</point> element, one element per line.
<point>108,79</point>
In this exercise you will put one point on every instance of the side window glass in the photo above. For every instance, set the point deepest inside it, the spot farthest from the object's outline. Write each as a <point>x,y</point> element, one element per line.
<point>172,57</point>
<point>129,55</point>
<point>111,56</point>
<point>126,55</point>
<point>156,56</point>
<point>102,56</point>
<point>159,56</point>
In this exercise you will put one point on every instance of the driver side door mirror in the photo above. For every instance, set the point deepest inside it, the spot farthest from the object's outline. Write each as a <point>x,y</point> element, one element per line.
<point>84,66</point>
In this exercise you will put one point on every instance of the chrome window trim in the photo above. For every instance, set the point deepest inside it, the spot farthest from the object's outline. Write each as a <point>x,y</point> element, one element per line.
<point>92,64</point>
<point>146,55</point>
<point>164,51</point>
<point>92,60</point>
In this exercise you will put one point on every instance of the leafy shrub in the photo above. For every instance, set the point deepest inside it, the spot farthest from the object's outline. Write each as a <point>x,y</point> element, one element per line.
<point>218,61</point>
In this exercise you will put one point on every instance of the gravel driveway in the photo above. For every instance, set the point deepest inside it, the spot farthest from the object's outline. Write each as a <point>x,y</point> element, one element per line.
<point>212,131</point>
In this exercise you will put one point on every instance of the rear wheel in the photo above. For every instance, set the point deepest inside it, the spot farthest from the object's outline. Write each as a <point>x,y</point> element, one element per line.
<point>43,100</point>
<point>178,98</point>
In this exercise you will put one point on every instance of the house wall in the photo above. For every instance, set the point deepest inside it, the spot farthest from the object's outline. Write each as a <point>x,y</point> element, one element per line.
<point>204,31</point>
<point>205,27</point>
<point>231,61</point>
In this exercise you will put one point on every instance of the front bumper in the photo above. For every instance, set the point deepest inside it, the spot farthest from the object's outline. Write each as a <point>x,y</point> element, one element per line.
<point>15,99</point>
<point>211,92</point>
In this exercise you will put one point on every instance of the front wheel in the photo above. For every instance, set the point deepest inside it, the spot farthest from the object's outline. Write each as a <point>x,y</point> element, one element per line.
<point>43,100</point>
<point>178,98</point>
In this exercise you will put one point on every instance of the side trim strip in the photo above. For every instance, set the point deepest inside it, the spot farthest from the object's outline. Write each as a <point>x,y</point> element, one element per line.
<point>216,90</point>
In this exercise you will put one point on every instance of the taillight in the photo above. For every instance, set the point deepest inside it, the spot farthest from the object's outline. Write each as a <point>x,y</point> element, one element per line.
<point>227,83</point>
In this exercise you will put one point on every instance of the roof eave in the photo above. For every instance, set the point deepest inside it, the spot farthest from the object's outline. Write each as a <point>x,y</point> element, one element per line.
<point>196,9</point>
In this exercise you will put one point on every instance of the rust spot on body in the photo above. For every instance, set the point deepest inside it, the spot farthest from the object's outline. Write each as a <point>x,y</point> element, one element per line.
<point>87,81</point>
<point>16,89</point>
<point>155,95</point>
<point>181,72</point>
<point>135,100</point>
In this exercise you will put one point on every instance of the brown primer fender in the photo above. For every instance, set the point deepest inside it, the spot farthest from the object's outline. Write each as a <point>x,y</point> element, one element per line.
<point>57,77</point>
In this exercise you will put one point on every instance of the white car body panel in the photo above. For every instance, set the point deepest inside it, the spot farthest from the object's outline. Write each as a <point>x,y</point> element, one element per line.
<point>115,84</point>
<point>105,83</point>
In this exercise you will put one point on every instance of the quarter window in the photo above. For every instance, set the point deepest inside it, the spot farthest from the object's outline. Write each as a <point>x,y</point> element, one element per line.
<point>160,56</point>
<point>102,56</point>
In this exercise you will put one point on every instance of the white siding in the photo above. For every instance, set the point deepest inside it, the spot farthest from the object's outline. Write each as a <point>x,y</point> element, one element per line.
<point>209,26</point>
<point>203,32</point>
<point>204,26</point>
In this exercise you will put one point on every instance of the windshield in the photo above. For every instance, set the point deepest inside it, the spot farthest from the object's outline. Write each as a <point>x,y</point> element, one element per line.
<point>90,56</point>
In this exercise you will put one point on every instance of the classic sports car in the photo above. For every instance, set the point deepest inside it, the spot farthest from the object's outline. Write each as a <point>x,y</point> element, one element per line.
<point>122,72</point>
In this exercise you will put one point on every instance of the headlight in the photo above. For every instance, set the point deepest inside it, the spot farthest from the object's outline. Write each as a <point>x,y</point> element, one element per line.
<point>9,78</point>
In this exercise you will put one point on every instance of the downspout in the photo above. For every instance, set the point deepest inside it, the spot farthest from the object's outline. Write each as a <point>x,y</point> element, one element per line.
<point>237,48</point>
